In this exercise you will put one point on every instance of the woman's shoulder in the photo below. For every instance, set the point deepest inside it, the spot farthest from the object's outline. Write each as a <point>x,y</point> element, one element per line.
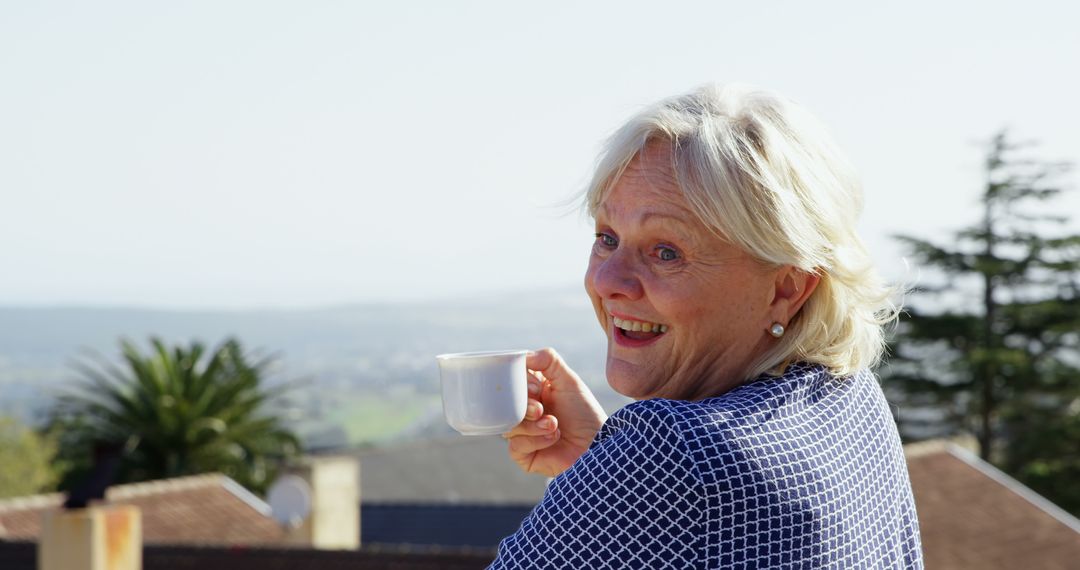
<point>805,393</point>
<point>654,419</point>
<point>799,381</point>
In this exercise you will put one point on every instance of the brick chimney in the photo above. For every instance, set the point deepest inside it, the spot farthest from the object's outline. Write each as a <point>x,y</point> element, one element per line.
<point>105,537</point>
<point>334,519</point>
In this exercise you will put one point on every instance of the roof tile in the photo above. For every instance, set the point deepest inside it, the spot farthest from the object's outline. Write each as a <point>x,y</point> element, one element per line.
<point>973,516</point>
<point>202,509</point>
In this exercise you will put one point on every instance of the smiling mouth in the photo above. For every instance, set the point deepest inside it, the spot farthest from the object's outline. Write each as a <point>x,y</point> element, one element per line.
<point>638,330</point>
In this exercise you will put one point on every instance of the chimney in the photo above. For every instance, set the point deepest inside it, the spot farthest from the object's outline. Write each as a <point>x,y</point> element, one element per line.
<point>95,538</point>
<point>333,484</point>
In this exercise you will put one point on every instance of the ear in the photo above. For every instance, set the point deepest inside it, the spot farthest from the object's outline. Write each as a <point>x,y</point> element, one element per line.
<point>791,289</point>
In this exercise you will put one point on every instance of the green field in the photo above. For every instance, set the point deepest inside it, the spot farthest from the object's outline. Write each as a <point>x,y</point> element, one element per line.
<point>373,417</point>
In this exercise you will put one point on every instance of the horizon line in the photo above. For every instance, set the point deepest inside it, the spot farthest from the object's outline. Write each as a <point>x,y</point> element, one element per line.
<point>287,307</point>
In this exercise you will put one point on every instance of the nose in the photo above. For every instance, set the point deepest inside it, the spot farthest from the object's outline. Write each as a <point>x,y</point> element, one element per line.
<point>615,276</point>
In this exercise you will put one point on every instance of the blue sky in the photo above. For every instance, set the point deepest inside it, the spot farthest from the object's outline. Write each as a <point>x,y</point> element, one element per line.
<point>281,154</point>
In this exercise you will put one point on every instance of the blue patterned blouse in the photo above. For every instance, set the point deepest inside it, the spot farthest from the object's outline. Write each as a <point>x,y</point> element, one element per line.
<point>800,471</point>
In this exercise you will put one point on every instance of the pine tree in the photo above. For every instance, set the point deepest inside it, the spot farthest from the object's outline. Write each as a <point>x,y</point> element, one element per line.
<point>1006,368</point>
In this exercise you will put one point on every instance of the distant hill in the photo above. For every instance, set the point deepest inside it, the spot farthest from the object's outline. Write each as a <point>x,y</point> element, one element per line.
<point>362,363</point>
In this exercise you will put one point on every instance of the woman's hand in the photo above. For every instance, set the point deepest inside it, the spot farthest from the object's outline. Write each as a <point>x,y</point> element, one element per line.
<point>561,421</point>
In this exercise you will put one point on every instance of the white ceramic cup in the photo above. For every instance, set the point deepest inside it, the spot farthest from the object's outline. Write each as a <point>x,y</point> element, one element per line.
<point>484,393</point>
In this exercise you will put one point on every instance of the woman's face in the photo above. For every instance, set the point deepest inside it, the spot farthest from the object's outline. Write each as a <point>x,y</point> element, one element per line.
<point>684,311</point>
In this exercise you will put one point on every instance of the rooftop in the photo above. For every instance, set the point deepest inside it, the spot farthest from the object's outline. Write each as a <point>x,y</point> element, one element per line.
<point>972,515</point>
<point>459,470</point>
<point>202,509</point>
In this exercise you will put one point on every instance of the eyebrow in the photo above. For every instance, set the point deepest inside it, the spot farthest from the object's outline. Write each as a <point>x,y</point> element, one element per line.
<point>652,215</point>
<point>647,215</point>
<point>680,227</point>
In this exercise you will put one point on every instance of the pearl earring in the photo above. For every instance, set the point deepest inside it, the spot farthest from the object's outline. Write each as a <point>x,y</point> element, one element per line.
<point>777,330</point>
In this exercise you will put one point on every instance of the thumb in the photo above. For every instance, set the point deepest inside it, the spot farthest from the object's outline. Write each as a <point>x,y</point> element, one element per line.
<point>552,366</point>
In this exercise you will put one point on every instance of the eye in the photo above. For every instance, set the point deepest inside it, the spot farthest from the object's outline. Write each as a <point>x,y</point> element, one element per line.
<point>606,240</point>
<point>666,253</point>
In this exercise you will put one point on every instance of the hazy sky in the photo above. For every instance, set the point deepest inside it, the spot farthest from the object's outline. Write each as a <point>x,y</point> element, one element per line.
<point>234,154</point>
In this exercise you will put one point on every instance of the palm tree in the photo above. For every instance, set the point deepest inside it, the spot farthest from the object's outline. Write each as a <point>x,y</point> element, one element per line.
<point>181,410</point>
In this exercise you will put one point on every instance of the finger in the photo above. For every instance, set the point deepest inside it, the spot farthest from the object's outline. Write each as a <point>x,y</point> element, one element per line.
<point>525,445</point>
<point>542,360</point>
<point>543,426</point>
<point>551,366</point>
<point>534,410</point>
<point>536,385</point>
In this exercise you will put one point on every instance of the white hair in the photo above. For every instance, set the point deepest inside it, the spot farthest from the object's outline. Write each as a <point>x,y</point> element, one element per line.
<point>765,175</point>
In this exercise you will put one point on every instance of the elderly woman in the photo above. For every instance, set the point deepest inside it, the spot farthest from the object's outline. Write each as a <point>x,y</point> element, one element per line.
<point>743,315</point>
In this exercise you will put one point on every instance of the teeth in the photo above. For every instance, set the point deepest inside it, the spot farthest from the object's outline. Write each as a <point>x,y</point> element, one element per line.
<point>629,325</point>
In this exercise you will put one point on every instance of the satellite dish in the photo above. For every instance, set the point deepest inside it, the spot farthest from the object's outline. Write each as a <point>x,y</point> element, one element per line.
<point>290,500</point>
